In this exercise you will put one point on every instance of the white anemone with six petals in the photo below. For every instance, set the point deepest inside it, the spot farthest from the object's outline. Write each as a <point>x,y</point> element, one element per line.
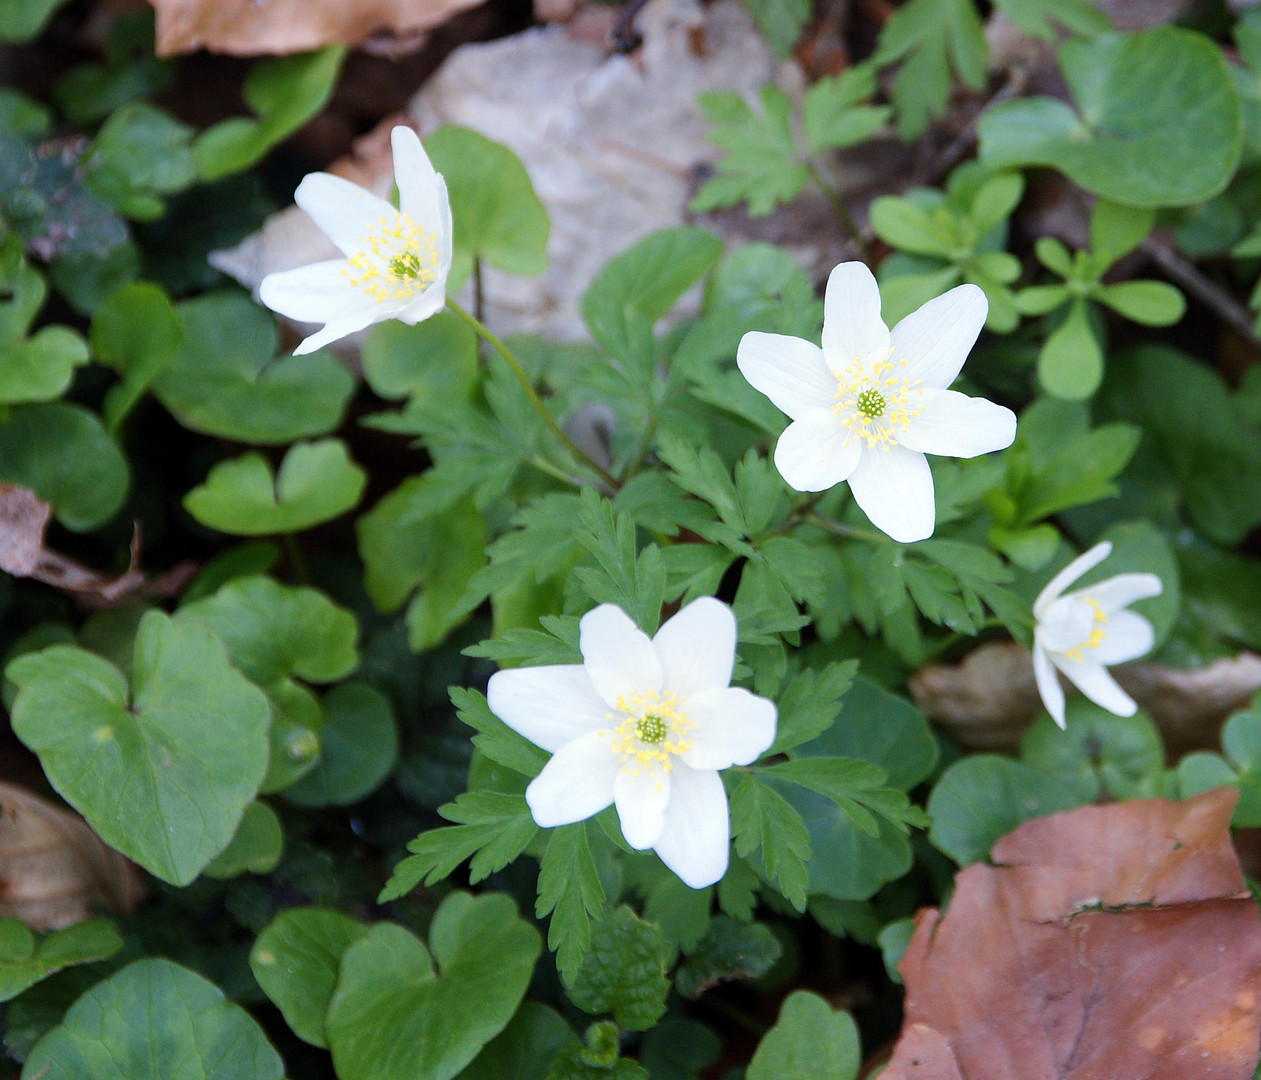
<point>1082,633</point>
<point>396,261</point>
<point>644,724</point>
<point>869,404</point>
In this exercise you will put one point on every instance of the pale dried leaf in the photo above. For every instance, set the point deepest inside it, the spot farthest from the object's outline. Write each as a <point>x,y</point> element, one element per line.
<point>54,870</point>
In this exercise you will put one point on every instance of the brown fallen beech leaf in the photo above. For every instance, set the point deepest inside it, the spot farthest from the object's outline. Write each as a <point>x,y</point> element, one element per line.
<point>1106,943</point>
<point>987,700</point>
<point>24,518</point>
<point>54,870</point>
<point>251,28</point>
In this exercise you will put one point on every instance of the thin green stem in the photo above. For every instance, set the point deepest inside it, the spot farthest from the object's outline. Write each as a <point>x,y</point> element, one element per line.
<point>636,461</point>
<point>295,559</point>
<point>535,401</point>
<point>838,206</point>
<point>840,529</point>
<point>479,309</point>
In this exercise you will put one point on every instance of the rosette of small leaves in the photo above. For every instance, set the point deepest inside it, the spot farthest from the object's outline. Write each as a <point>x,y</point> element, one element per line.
<point>1070,364</point>
<point>944,238</point>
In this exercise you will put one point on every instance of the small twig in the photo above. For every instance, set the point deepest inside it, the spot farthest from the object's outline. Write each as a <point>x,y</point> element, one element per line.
<point>1209,293</point>
<point>624,37</point>
<point>965,142</point>
<point>479,310</point>
<point>856,235</point>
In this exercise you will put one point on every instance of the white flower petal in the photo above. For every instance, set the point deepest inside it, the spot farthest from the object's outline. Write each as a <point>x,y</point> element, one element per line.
<point>1114,593</point>
<point>733,727</point>
<point>618,655</point>
<point>1095,682</point>
<point>789,371</point>
<point>697,835</point>
<point>640,797</point>
<point>342,210</point>
<point>1066,624</point>
<point>420,195</point>
<point>350,324</point>
<point>954,425</point>
<point>1126,636</point>
<point>697,647</point>
<point>317,293</point>
<point>852,327</point>
<point>445,232</point>
<point>935,340</point>
<point>894,487</point>
<point>550,705</point>
<point>1049,687</point>
<point>1088,560</point>
<point>575,784</point>
<point>816,452</point>
<point>431,301</point>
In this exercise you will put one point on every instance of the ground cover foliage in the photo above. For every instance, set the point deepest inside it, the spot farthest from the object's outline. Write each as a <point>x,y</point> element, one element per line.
<point>255,797</point>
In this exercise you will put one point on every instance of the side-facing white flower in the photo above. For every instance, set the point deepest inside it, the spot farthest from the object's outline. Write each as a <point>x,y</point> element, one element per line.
<point>872,402</point>
<point>396,262</point>
<point>1082,633</point>
<point>643,724</point>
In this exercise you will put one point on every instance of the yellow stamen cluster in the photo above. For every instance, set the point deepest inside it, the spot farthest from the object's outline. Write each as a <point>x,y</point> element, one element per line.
<point>875,403</point>
<point>396,260</point>
<point>648,730</point>
<point>1096,631</point>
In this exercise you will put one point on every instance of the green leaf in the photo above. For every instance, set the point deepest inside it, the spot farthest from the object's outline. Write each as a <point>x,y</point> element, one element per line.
<point>1156,120</point>
<point>570,891</point>
<point>40,367</point>
<point>903,224</point>
<point>811,703</point>
<point>225,379</point>
<point>63,454</point>
<point>700,471</point>
<point>283,93</point>
<point>762,165</point>
<point>1116,230</point>
<point>494,738</point>
<point>136,333</point>
<point>163,771</point>
<point>275,631</point>
<point>780,22</point>
<point>1098,754</point>
<point>597,1059</point>
<point>108,1034</point>
<point>982,797</point>
<point>635,583</point>
<point>764,821</point>
<point>1152,303</point>
<point>296,960</point>
<point>856,787</point>
<point>140,154</point>
<point>358,748</point>
<point>931,38</point>
<point>493,829</point>
<point>623,972</point>
<point>1070,365</point>
<point>316,482</point>
<point>404,1012</point>
<point>497,215</point>
<point>811,1039</point>
<point>1040,17</point>
<point>453,556</point>
<point>680,1050</point>
<point>24,19</point>
<point>832,115</point>
<point>23,962</point>
<point>730,950</point>
<point>255,847</point>
<point>525,1048</point>
<point>435,360</point>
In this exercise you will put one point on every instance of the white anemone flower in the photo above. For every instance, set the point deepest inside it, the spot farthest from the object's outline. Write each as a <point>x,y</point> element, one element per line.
<point>645,725</point>
<point>869,404</point>
<point>1082,633</point>
<point>396,261</point>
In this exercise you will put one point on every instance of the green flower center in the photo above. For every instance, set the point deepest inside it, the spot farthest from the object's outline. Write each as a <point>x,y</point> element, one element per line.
<point>651,729</point>
<point>406,265</point>
<point>871,403</point>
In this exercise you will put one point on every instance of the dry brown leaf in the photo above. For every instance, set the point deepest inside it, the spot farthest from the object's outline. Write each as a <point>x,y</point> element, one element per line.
<point>1107,942</point>
<point>54,870</point>
<point>987,700</point>
<point>24,518</point>
<point>255,27</point>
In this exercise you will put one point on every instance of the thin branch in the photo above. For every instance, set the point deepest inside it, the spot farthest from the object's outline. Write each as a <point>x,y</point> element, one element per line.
<point>1187,275</point>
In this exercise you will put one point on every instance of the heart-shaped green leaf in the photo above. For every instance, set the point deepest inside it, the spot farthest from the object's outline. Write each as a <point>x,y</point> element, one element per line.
<point>810,1038</point>
<point>136,333</point>
<point>155,1020</point>
<point>397,1016</point>
<point>226,380</point>
<point>255,847</point>
<point>358,748</point>
<point>1156,124</point>
<point>162,770</point>
<point>316,482</point>
<point>23,963</point>
<point>63,454</point>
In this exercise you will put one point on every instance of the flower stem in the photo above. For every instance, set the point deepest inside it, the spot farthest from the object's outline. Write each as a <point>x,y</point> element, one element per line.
<point>840,529</point>
<point>838,207</point>
<point>536,402</point>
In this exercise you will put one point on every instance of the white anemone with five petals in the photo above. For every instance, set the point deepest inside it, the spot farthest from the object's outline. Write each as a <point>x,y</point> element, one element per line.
<point>396,260</point>
<point>1084,632</point>
<point>643,724</point>
<point>869,404</point>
